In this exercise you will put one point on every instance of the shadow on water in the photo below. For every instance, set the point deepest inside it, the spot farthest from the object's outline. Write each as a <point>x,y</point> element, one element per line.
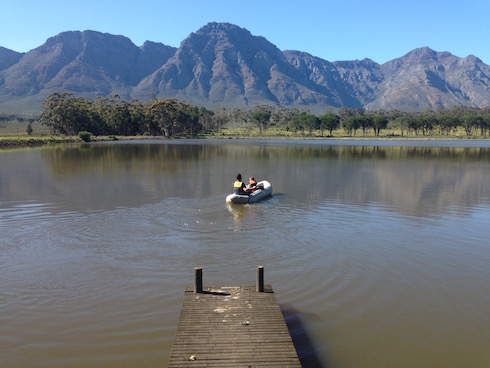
<point>304,346</point>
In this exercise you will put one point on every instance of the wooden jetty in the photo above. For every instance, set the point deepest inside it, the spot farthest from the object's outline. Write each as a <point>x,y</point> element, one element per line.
<point>239,326</point>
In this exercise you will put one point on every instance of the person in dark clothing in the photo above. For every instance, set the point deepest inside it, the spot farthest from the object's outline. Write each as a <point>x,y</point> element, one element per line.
<point>239,186</point>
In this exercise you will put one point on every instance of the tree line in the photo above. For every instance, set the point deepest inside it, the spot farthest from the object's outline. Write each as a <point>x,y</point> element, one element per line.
<point>66,113</point>
<point>69,114</point>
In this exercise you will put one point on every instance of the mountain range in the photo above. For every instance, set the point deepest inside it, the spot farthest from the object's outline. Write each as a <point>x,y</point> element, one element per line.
<point>223,65</point>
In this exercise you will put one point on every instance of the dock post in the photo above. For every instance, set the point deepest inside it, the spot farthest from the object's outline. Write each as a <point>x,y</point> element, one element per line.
<point>260,279</point>
<point>197,279</point>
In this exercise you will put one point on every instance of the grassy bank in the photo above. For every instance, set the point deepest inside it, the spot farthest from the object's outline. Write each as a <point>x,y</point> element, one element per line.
<point>33,141</point>
<point>12,140</point>
<point>275,133</point>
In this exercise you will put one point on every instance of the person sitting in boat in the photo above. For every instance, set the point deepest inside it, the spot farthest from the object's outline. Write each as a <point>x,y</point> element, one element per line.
<point>252,184</point>
<point>239,186</point>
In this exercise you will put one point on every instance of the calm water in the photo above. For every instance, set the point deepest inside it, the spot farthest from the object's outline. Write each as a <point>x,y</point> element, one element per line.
<point>379,255</point>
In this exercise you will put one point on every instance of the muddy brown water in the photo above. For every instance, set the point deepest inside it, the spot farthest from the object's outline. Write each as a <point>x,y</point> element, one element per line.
<point>379,253</point>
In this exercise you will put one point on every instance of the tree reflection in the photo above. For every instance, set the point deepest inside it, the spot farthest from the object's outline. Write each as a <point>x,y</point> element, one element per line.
<point>415,181</point>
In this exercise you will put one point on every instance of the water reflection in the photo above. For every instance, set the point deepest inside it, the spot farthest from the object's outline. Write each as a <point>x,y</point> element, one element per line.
<point>414,181</point>
<point>375,253</point>
<point>237,211</point>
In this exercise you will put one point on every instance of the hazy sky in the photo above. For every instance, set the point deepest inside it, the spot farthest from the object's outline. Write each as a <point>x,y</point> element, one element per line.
<point>331,29</point>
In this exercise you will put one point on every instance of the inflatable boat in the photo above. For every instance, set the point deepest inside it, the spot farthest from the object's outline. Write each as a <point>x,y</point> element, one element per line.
<point>264,190</point>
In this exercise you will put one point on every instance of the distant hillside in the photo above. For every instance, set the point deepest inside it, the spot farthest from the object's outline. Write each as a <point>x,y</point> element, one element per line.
<point>425,78</point>
<point>8,58</point>
<point>224,65</point>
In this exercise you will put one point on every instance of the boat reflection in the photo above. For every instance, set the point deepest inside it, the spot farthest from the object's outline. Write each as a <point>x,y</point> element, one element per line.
<point>238,211</point>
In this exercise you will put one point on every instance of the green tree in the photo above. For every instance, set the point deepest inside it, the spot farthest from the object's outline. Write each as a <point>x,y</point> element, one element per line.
<point>220,119</point>
<point>206,119</point>
<point>447,123</point>
<point>297,123</point>
<point>310,122</point>
<point>68,114</point>
<point>485,124</point>
<point>365,122</point>
<point>187,120</point>
<point>53,114</point>
<point>414,123</point>
<point>471,123</point>
<point>171,117</point>
<point>350,124</point>
<point>261,119</point>
<point>428,122</point>
<point>328,121</point>
<point>138,117</point>
<point>345,112</point>
<point>163,114</point>
<point>378,123</point>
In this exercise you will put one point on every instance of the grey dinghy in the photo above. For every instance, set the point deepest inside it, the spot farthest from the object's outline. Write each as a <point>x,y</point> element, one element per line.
<point>264,190</point>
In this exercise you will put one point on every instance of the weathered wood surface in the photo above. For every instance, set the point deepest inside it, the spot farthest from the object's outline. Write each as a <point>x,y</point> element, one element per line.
<point>232,327</point>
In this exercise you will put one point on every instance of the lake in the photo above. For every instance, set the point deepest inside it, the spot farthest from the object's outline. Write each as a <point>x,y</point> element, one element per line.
<point>378,251</point>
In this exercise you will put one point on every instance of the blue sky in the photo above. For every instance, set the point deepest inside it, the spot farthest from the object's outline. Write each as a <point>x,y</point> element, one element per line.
<point>331,29</point>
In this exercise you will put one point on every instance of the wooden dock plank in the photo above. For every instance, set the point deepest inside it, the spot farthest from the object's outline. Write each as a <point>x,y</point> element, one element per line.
<point>232,327</point>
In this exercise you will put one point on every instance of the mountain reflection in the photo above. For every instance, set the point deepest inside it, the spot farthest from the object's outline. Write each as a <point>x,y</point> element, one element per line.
<point>414,181</point>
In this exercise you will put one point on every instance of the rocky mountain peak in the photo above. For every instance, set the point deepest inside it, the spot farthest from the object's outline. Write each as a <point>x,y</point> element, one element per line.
<point>472,59</point>
<point>422,53</point>
<point>224,65</point>
<point>220,63</point>
<point>230,35</point>
<point>217,28</point>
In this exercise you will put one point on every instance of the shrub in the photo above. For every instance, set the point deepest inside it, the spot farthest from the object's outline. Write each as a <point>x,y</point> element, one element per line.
<point>85,136</point>
<point>29,128</point>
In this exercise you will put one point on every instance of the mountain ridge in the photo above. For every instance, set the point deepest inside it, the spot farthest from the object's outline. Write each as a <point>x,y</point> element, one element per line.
<point>224,65</point>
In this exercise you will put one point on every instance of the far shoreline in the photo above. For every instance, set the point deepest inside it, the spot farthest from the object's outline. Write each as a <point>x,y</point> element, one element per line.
<point>459,141</point>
